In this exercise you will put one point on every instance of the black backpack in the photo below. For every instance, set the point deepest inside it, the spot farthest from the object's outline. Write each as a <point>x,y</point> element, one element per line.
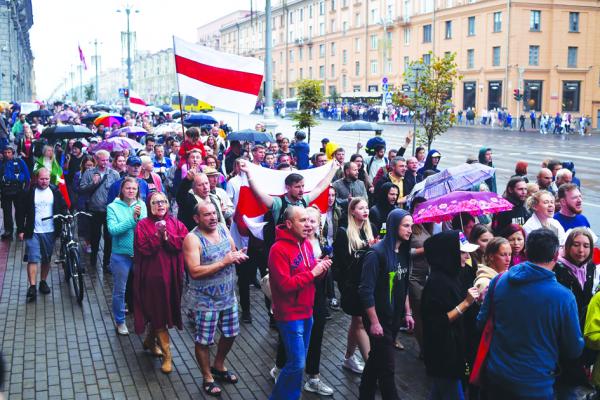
<point>269,227</point>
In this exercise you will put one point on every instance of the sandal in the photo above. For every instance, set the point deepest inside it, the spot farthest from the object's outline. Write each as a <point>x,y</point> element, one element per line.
<point>224,376</point>
<point>209,388</point>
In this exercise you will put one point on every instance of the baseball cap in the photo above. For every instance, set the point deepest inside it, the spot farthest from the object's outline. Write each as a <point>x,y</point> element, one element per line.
<point>436,154</point>
<point>134,160</point>
<point>465,246</point>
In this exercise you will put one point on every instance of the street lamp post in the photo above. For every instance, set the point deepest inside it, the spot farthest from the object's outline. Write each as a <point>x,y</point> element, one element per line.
<point>269,116</point>
<point>96,43</point>
<point>416,69</point>
<point>128,9</point>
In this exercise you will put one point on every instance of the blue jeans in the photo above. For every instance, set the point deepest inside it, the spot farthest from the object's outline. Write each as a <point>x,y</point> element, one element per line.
<point>120,265</point>
<point>295,336</point>
<point>446,389</point>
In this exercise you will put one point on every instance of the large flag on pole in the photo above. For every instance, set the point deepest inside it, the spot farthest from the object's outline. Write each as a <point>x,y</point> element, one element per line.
<point>250,210</point>
<point>82,58</point>
<point>136,104</point>
<point>223,80</point>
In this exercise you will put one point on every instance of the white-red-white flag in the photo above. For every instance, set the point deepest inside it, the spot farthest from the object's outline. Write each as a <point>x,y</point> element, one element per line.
<point>250,209</point>
<point>223,80</point>
<point>136,104</point>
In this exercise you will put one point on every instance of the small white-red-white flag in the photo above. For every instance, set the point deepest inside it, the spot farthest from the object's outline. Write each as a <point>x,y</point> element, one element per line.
<point>223,80</point>
<point>136,104</point>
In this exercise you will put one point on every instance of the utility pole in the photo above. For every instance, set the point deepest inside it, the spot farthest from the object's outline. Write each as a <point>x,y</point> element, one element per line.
<point>80,67</point>
<point>128,9</point>
<point>96,89</point>
<point>268,115</point>
<point>416,70</point>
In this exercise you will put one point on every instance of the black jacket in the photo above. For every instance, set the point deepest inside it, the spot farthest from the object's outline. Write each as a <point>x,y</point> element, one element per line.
<point>443,341</point>
<point>187,203</point>
<point>518,215</point>
<point>26,221</point>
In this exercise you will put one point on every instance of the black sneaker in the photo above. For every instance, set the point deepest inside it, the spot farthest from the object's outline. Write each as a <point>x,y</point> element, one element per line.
<point>246,317</point>
<point>44,288</point>
<point>31,294</point>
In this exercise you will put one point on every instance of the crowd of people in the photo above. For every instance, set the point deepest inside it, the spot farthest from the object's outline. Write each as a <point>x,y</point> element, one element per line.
<point>166,214</point>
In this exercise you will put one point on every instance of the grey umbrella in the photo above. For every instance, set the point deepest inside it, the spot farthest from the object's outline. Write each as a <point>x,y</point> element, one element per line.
<point>360,126</point>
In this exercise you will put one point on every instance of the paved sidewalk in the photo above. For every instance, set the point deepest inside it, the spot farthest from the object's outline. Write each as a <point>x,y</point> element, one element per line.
<point>55,348</point>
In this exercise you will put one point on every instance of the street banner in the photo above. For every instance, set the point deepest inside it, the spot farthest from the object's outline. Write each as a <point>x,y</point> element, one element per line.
<point>223,80</point>
<point>136,104</point>
<point>250,210</point>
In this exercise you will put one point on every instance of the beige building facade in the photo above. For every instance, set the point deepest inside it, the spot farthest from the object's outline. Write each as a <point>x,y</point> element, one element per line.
<point>549,50</point>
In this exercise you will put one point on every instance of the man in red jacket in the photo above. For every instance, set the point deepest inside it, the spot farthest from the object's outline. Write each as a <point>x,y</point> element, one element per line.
<point>292,271</point>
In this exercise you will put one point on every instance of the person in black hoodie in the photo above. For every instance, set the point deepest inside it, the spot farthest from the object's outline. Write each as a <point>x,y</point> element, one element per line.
<point>443,304</point>
<point>516,193</point>
<point>385,203</point>
<point>431,163</point>
<point>383,292</point>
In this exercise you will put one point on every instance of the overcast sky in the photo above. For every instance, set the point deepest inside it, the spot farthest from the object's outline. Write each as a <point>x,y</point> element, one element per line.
<point>60,24</point>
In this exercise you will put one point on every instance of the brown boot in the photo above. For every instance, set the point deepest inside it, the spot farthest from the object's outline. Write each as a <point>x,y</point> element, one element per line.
<point>163,340</point>
<point>150,344</point>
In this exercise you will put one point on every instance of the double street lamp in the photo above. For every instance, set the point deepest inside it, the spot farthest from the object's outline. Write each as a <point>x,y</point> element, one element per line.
<point>128,10</point>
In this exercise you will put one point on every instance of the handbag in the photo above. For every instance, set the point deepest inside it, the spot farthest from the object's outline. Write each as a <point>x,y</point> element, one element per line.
<point>265,286</point>
<point>485,342</point>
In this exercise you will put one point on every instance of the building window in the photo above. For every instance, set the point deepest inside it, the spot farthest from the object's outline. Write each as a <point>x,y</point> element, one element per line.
<point>573,22</point>
<point>427,59</point>
<point>332,25</point>
<point>291,17</point>
<point>292,92</point>
<point>373,42</point>
<point>471,58</point>
<point>310,11</point>
<point>322,7</point>
<point>301,73</point>
<point>388,66</point>
<point>322,28</point>
<point>333,48</point>
<point>292,56</point>
<point>344,82</point>
<point>570,95</point>
<point>406,63</point>
<point>357,20</point>
<point>357,68</point>
<point>310,52</point>
<point>535,21</point>
<point>448,31</point>
<point>374,67</point>
<point>301,15</point>
<point>406,36</point>
<point>321,71</point>
<point>345,26</point>
<point>572,57</point>
<point>333,70</point>
<point>332,5</point>
<point>344,57</point>
<point>373,15</point>
<point>300,53</point>
<point>471,27</point>
<point>496,56</point>
<point>357,45</point>
<point>321,51</point>
<point>310,72</point>
<point>498,21</point>
<point>534,55</point>
<point>427,33</point>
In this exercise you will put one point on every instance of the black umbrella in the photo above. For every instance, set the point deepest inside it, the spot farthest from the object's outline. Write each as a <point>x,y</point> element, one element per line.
<point>360,126</point>
<point>66,132</point>
<point>39,114</point>
<point>198,119</point>
<point>89,118</point>
<point>101,107</point>
<point>166,108</point>
<point>250,135</point>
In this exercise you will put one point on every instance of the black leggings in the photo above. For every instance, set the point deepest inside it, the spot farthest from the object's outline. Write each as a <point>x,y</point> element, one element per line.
<point>246,273</point>
<point>380,367</point>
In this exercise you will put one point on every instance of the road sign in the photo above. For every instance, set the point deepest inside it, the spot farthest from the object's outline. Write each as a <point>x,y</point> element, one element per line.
<point>406,88</point>
<point>385,87</point>
<point>384,80</point>
<point>121,92</point>
<point>388,98</point>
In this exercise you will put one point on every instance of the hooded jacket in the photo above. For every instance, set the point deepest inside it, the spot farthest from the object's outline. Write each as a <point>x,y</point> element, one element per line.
<point>443,341</point>
<point>121,224</point>
<point>535,321</point>
<point>491,182</point>
<point>384,277</point>
<point>379,212</point>
<point>484,275</point>
<point>292,282</point>
<point>428,163</point>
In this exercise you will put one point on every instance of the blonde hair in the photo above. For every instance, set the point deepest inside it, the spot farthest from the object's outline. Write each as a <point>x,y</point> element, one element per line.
<point>315,211</point>
<point>535,198</point>
<point>355,242</point>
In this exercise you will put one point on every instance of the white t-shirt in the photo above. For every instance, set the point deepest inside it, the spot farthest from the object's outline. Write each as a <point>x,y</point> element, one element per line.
<point>43,202</point>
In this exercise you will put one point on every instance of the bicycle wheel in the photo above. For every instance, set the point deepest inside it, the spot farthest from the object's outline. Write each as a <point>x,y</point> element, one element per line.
<point>76,274</point>
<point>63,261</point>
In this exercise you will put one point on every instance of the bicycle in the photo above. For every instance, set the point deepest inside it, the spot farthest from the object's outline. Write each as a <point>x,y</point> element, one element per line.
<point>69,252</point>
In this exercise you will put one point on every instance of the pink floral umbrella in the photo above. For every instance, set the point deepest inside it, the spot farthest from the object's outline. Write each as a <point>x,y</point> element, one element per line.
<point>446,207</point>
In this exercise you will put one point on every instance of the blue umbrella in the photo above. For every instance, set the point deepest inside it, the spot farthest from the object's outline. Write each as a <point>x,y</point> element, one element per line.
<point>198,119</point>
<point>250,135</point>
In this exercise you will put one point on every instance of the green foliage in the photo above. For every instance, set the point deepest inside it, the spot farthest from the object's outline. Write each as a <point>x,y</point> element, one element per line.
<point>310,98</point>
<point>334,95</point>
<point>89,92</point>
<point>277,94</point>
<point>430,101</point>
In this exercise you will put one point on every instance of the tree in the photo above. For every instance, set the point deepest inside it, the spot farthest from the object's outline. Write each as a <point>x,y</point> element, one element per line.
<point>89,92</point>
<point>310,98</point>
<point>431,98</point>
<point>334,96</point>
<point>277,94</point>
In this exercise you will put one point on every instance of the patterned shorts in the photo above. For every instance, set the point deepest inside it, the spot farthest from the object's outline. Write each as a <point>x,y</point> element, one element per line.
<point>207,322</point>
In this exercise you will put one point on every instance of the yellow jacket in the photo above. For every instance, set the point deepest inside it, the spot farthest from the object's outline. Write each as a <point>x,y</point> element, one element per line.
<point>591,334</point>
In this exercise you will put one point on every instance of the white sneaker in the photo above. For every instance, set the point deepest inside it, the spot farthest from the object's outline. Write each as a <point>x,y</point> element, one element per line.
<point>315,385</point>
<point>122,329</point>
<point>274,372</point>
<point>353,364</point>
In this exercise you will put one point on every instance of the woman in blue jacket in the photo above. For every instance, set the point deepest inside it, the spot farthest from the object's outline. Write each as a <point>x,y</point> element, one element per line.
<point>122,216</point>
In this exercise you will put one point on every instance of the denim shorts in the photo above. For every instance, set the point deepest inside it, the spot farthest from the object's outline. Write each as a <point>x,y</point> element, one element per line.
<point>39,248</point>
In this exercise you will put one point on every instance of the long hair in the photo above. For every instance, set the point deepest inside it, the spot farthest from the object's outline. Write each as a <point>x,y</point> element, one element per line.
<point>571,238</point>
<point>129,179</point>
<point>84,161</point>
<point>355,242</point>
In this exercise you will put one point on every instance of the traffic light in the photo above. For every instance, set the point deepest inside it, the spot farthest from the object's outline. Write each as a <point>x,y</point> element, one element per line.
<point>517,95</point>
<point>126,93</point>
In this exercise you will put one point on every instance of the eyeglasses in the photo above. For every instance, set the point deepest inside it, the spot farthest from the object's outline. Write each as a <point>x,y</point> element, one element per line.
<point>159,202</point>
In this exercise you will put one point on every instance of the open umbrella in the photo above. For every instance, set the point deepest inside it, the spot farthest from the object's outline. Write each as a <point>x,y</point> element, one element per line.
<point>444,208</point>
<point>118,144</point>
<point>90,118</point>
<point>167,129</point>
<point>198,119</point>
<point>43,113</point>
<point>360,126</point>
<point>130,130</point>
<point>153,110</point>
<point>101,107</point>
<point>460,177</point>
<point>166,108</point>
<point>60,132</point>
<point>250,135</point>
<point>109,120</point>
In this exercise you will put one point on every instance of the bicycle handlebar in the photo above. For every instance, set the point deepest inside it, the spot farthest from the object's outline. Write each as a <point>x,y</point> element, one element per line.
<point>67,216</point>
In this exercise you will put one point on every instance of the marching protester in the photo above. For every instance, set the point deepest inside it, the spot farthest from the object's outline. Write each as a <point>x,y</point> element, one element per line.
<point>122,216</point>
<point>37,227</point>
<point>15,179</point>
<point>210,255</point>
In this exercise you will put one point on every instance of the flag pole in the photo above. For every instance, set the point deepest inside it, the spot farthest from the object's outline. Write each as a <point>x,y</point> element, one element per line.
<point>178,91</point>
